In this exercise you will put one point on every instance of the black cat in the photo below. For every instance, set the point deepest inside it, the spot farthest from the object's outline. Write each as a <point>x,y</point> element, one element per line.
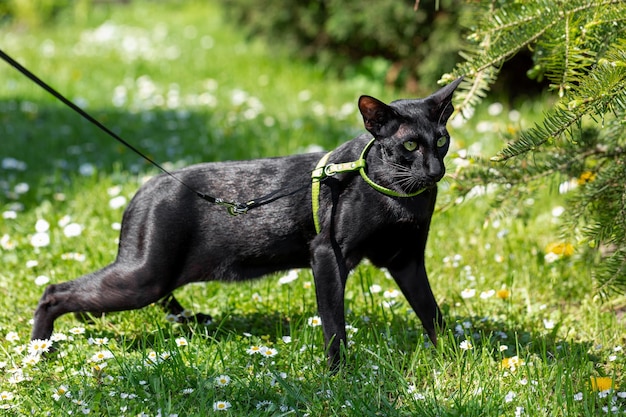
<point>378,206</point>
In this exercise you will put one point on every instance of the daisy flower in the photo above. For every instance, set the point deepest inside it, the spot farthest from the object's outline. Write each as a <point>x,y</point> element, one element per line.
<point>391,293</point>
<point>98,341</point>
<point>314,321</point>
<point>468,293</point>
<point>466,345</point>
<point>222,380</point>
<point>254,349</point>
<point>221,406</point>
<point>31,360</point>
<point>77,330</point>
<point>375,288</point>
<point>12,337</point>
<point>39,346</point>
<point>289,277</point>
<point>101,356</point>
<point>269,352</point>
<point>6,396</point>
<point>181,341</point>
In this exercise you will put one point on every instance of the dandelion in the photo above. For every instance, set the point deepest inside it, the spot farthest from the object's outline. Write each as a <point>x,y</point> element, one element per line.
<point>468,293</point>
<point>222,380</point>
<point>39,346</point>
<point>221,406</point>
<point>601,383</point>
<point>269,352</point>
<point>503,294</point>
<point>512,363</point>
<point>466,345</point>
<point>314,321</point>
<point>181,341</point>
<point>254,349</point>
<point>586,177</point>
<point>561,249</point>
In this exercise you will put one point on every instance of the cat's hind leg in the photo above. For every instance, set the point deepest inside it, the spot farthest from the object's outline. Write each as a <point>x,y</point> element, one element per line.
<point>116,287</point>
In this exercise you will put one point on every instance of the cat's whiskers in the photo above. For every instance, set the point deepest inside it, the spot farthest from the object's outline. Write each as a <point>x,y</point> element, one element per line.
<point>402,175</point>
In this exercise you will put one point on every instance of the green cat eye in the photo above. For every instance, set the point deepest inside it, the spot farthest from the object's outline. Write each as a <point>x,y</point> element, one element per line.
<point>410,145</point>
<point>442,141</point>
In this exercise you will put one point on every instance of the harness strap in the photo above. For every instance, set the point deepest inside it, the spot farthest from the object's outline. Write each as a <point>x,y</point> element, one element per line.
<point>317,175</point>
<point>323,170</point>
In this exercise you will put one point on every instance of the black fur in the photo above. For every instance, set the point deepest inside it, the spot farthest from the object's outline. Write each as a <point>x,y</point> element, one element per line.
<point>170,237</point>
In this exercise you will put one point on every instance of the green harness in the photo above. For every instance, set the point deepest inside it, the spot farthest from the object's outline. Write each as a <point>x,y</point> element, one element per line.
<point>323,170</point>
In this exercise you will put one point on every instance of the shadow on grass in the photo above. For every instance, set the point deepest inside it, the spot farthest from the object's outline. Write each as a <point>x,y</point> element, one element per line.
<point>51,148</point>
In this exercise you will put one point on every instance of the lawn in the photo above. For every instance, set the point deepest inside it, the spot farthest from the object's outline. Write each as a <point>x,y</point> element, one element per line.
<point>527,333</point>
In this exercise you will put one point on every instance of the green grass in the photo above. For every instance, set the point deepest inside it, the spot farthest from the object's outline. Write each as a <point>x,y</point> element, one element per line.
<point>193,89</point>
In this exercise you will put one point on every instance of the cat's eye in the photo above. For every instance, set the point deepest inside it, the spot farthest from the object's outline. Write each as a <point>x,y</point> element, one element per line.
<point>410,145</point>
<point>441,142</point>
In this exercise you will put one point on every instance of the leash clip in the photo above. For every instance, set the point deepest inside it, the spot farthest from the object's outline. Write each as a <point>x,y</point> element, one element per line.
<point>234,208</point>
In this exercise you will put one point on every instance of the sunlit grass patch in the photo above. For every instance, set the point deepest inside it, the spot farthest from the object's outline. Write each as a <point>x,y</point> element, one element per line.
<point>525,334</point>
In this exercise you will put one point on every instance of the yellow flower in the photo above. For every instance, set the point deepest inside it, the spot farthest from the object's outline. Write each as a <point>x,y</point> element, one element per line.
<point>512,363</point>
<point>503,294</point>
<point>560,248</point>
<point>586,177</point>
<point>602,383</point>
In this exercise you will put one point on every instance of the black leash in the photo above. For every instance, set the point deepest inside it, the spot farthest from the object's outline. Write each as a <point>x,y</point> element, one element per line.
<point>233,207</point>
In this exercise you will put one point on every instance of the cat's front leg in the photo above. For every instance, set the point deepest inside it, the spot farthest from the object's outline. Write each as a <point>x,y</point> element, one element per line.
<point>330,274</point>
<point>413,282</point>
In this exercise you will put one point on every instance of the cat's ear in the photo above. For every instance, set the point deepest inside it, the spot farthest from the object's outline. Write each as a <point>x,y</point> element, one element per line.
<point>441,102</point>
<point>376,115</point>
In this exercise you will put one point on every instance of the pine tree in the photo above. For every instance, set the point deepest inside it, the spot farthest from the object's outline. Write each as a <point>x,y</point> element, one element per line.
<point>580,47</point>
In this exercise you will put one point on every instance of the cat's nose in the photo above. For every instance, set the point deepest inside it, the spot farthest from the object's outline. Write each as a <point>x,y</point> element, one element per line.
<point>435,169</point>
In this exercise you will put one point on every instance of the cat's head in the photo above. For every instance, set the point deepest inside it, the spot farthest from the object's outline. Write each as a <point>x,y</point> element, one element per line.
<point>412,137</point>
